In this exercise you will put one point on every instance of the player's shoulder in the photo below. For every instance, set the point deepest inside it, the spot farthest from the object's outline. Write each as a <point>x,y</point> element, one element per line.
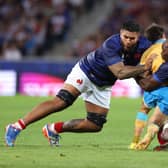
<point>144,42</point>
<point>155,48</point>
<point>157,45</point>
<point>113,41</point>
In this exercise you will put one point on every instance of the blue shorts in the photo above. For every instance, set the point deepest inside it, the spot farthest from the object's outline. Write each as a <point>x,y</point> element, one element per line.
<point>158,97</point>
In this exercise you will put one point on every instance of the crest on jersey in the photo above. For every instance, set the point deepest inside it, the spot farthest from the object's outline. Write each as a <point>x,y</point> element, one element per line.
<point>137,56</point>
<point>79,81</point>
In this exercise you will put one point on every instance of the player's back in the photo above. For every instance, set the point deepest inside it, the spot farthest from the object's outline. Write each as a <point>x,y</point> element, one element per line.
<point>154,50</point>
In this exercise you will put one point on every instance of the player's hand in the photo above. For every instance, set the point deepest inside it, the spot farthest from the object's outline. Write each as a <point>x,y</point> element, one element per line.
<point>142,145</point>
<point>148,65</point>
<point>149,61</point>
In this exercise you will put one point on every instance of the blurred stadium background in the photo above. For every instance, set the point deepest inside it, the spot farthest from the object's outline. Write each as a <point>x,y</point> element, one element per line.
<point>40,40</point>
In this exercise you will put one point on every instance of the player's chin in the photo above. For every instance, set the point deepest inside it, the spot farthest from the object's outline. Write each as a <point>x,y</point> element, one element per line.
<point>128,48</point>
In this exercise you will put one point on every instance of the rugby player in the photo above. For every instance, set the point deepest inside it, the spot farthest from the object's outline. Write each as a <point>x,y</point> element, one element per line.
<point>92,78</point>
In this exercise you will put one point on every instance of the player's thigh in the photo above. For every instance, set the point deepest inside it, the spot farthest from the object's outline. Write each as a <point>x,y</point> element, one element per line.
<point>90,107</point>
<point>77,79</point>
<point>70,88</point>
<point>97,98</point>
<point>150,100</point>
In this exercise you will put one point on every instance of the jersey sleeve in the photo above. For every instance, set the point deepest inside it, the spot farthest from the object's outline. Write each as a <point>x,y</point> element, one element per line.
<point>161,75</point>
<point>110,50</point>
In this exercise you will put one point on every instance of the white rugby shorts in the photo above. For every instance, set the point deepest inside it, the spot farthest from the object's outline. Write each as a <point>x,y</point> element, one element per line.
<point>89,91</point>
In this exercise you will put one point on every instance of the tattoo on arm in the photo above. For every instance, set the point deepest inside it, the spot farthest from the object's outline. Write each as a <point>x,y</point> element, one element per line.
<point>122,71</point>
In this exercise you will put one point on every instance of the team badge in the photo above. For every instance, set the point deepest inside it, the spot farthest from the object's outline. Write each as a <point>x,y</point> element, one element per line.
<point>79,81</point>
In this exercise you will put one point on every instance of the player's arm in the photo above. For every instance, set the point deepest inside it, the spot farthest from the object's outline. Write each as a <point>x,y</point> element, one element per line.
<point>111,50</point>
<point>148,83</point>
<point>152,81</point>
<point>122,71</point>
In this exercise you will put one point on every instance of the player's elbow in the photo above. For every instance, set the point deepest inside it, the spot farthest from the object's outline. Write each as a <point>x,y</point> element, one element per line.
<point>148,87</point>
<point>122,75</point>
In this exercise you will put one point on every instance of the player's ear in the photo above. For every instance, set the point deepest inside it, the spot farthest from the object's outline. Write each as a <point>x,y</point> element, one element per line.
<point>164,36</point>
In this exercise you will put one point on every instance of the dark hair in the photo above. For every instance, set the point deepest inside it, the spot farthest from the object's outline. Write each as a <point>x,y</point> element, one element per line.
<point>131,26</point>
<point>154,32</point>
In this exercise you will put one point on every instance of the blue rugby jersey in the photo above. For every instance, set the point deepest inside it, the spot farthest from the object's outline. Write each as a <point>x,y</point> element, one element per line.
<point>161,75</point>
<point>95,64</point>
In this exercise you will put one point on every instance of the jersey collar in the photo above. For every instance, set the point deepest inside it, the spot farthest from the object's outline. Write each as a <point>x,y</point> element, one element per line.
<point>160,41</point>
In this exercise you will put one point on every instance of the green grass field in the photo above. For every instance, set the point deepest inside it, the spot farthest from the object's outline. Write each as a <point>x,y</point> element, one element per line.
<point>107,149</point>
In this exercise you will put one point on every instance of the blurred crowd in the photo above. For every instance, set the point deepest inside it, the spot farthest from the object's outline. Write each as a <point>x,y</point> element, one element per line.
<point>143,11</point>
<point>33,27</point>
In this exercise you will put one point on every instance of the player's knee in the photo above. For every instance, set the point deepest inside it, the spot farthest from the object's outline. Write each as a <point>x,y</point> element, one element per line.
<point>66,96</point>
<point>98,119</point>
<point>164,132</point>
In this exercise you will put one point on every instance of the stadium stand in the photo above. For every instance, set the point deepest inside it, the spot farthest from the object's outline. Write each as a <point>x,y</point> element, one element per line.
<point>145,12</point>
<point>68,29</point>
<point>33,27</point>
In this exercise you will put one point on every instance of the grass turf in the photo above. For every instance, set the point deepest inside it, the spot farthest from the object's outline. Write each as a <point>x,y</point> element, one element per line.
<point>87,150</point>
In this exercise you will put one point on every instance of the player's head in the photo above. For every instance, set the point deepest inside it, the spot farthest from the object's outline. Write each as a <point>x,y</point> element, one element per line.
<point>154,32</point>
<point>165,51</point>
<point>129,34</point>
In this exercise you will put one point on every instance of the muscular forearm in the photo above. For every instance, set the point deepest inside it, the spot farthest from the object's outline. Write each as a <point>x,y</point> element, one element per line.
<point>130,71</point>
<point>147,84</point>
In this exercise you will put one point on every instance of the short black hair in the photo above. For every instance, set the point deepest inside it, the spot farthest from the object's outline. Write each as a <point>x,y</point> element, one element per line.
<point>131,26</point>
<point>154,32</point>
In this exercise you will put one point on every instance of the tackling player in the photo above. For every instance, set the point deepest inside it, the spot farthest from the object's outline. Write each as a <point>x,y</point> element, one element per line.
<point>92,77</point>
<point>156,34</point>
<point>158,99</point>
